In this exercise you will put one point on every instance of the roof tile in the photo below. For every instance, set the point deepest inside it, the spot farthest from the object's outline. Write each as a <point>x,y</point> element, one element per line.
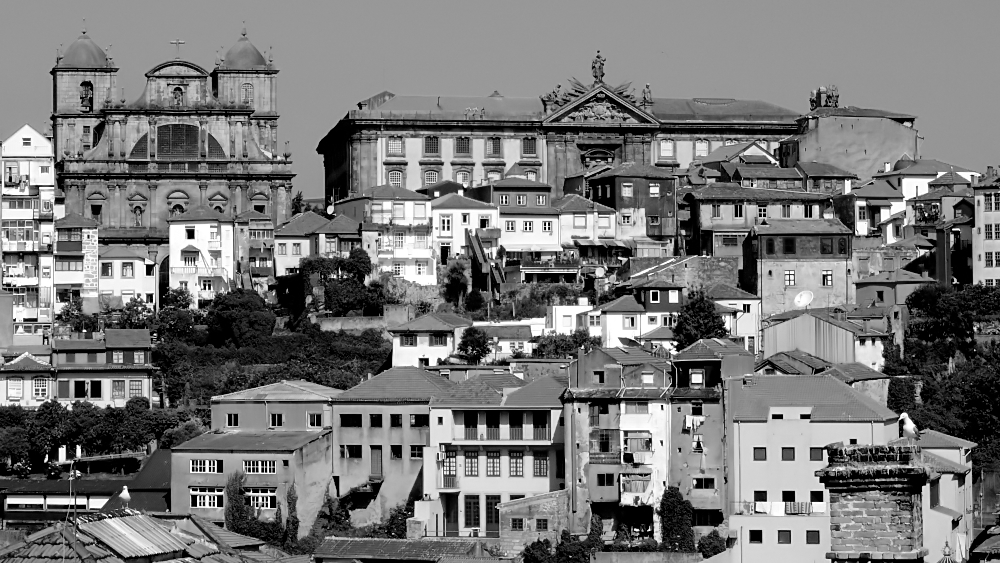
<point>398,385</point>
<point>831,399</point>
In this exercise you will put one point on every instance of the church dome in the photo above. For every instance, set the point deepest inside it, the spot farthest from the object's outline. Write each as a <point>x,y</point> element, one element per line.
<point>243,56</point>
<point>83,53</point>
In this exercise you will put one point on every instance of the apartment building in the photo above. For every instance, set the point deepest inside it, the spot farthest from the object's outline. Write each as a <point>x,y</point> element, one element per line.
<point>618,432</point>
<point>401,222</point>
<point>912,177</point>
<point>28,205</point>
<point>495,440</point>
<point>126,273</point>
<point>623,318</point>
<point>295,240</point>
<point>286,406</point>
<point>106,373</point>
<point>866,208</point>
<point>75,274</point>
<point>645,200</point>
<point>427,340</point>
<point>454,216</point>
<point>986,238</point>
<point>592,230</point>
<point>778,430</point>
<point>203,256</point>
<point>338,237</point>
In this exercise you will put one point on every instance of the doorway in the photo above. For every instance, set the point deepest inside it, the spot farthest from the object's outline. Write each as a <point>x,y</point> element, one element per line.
<point>376,462</point>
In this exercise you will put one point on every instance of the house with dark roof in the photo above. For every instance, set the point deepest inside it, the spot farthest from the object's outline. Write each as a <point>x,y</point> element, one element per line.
<point>888,289</point>
<point>203,259</point>
<point>396,230</point>
<point>105,372</point>
<point>76,245</point>
<point>428,340</point>
<point>508,339</point>
<point>126,273</point>
<point>454,217</point>
<point>284,405</point>
<point>913,177</point>
<point>494,440</point>
<point>827,334</point>
<point>380,428</point>
<point>645,200</point>
<point>825,178</point>
<point>273,461</point>
<point>30,504</point>
<point>792,263</point>
<point>749,152</point>
<point>338,237</point>
<point>743,321</point>
<point>591,229</point>
<point>294,240</point>
<point>618,322</point>
<point>370,550</point>
<point>722,214</point>
<point>618,418</point>
<point>761,175</point>
<point>864,208</point>
<point>791,362</point>
<point>778,430</point>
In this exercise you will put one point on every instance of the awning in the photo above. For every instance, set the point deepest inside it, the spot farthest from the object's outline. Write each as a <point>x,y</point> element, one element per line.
<point>69,286</point>
<point>587,242</point>
<point>613,243</point>
<point>879,203</point>
<point>532,247</point>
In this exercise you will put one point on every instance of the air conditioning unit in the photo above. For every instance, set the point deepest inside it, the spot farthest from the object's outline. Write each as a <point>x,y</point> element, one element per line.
<point>440,456</point>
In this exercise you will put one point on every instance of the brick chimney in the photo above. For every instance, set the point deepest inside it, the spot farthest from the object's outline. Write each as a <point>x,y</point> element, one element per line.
<point>875,502</point>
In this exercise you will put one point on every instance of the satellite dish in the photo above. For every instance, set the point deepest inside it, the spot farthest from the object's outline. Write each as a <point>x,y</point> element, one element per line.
<point>803,299</point>
<point>600,271</point>
<point>628,342</point>
<point>329,209</point>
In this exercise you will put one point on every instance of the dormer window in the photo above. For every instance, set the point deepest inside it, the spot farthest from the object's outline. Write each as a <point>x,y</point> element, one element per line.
<point>697,378</point>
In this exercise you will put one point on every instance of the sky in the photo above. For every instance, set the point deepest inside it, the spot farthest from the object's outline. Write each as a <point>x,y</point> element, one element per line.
<point>931,59</point>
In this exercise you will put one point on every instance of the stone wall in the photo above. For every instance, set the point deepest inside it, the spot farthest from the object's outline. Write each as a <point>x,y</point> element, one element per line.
<point>692,271</point>
<point>640,557</point>
<point>875,502</point>
<point>553,507</point>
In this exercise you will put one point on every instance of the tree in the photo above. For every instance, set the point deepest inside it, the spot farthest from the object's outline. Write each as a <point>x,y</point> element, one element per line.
<point>571,550</point>
<point>135,314</point>
<point>902,395</point>
<point>676,515</point>
<point>177,297</point>
<point>297,206</point>
<point>238,514</point>
<point>72,314</point>
<point>455,284</point>
<point>698,319</point>
<point>711,544</point>
<point>475,344</point>
<point>174,322</point>
<point>182,433</point>
<point>239,318</point>
<point>474,301</point>
<point>564,345</point>
<point>357,265</point>
<point>538,551</point>
<point>49,426</point>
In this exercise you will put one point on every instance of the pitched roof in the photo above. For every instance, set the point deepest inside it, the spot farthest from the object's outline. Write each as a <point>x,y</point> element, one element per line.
<point>943,465</point>
<point>727,152</point>
<point>75,221</point>
<point>635,170</point>
<point>794,362</point>
<point>825,170</point>
<point>726,291</point>
<point>570,203</point>
<point>449,186</point>
<point>894,276</point>
<point>263,441</point>
<point>26,362</point>
<point>802,227</point>
<point>710,349</point>
<point>339,225</point>
<point>635,357</point>
<point>386,192</point>
<point>877,189</point>
<point>542,392</point>
<point>252,215</point>
<point>656,283</point>
<point>286,391</point>
<point>659,333</point>
<point>854,371</point>
<point>734,192</point>
<point>303,224</point>
<point>515,210</point>
<point>940,193</point>
<point>433,322</point>
<point>521,183</point>
<point>507,332</point>
<point>83,344</point>
<point>398,385</point>
<point>828,316</point>
<point>120,252</point>
<point>127,338</point>
<point>472,391</point>
<point>851,111</point>
<point>455,201</point>
<point>200,213</point>
<point>932,439</point>
<point>624,304</point>
<point>831,399</point>
<point>500,381</point>
<point>949,178</point>
<point>921,167</point>
<point>767,172</point>
<point>396,550</point>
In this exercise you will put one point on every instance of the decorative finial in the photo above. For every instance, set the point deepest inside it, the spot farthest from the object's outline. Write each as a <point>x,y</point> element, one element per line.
<point>244,28</point>
<point>177,43</point>
<point>947,550</point>
<point>270,54</point>
<point>85,26</point>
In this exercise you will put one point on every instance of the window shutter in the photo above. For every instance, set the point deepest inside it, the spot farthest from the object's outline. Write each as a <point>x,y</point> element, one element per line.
<point>218,466</point>
<point>64,389</point>
<point>222,501</point>
<point>194,501</point>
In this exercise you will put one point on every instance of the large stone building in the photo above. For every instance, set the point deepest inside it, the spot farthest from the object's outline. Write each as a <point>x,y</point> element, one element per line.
<point>413,141</point>
<point>192,138</point>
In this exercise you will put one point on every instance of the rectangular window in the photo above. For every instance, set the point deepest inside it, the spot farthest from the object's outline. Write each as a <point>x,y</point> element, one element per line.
<point>541,464</point>
<point>808,211</point>
<point>700,148</point>
<point>988,262</point>
<point>277,420</point>
<point>374,420</point>
<point>446,224</point>
<point>760,454</point>
<point>789,277</point>
<point>439,340</point>
<point>605,479</point>
<point>826,246</point>
<point>504,199</point>
<point>472,516</point>
<point>666,149</point>
<point>654,219</point>
<point>117,357</point>
<point>654,296</point>
<point>416,452</point>
<point>738,210</point>
<point>593,320</point>
<point>987,232</point>
<point>628,321</point>
<point>40,388</point>
<point>522,200</point>
<point>517,524</point>
<point>510,226</point>
<point>812,537</point>
<point>189,233</point>
<point>540,200</point>
<point>528,226</point>
<point>637,407</point>
<point>315,420</point>
<point>816,496</point>
<point>862,213</point>
<point>206,497</point>
<point>716,211</point>
<point>627,189</point>
<point>935,492</point>
<point>296,249</point>
<point>95,389</point>
<point>528,147</point>
<point>350,451</point>
<point>784,536</point>
<point>492,464</point>
<point>353,420</point>
<point>579,221</point>
<point>815,454</point>
<point>787,454</point>
<point>493,147</point>
<point>546,226</point>
<point>396,451</point>
<point>472,463</point>
<point>107,269</point>
<point>756,536</point>
<point>432,145</point>
<point>420,420</point>
<point>282,249</point>
<point>408,340</point>
<point>626,219</point>
<point>787,496</point>
<point>118,389</point>
<point>604,221</point>
<point>786,210</point>
<point>396,420</point>
<point>541,524</point>
<point>394,146</point>
<point>260,498</point>
<point>259,466</point>
<point>516,464</point>
<point>761,211</point>
<point>704,483</point>
<point>206,466</point>
<point>827,278</point>
<point>788,245</point>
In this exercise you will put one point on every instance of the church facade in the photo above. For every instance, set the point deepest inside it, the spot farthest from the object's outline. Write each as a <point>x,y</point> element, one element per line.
<point>556,138</point>
<point>193,138</point>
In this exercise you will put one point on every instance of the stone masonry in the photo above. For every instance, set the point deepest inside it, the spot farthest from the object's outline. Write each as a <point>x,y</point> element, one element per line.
<point>875,502</point>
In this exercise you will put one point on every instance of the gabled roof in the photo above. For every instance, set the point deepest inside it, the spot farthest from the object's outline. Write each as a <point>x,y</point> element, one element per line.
<point>932,439</point>
<point>831,399</point>
<point>656,283</point>
<point>659,333</point>
<point>542,392</point>
<point>386,192</point>
<point>395,550</point>
<point>570,203</point>
<point>943,465</point>
<point>284,391</point>
<point>117,252</point>
<point>75,221</point>
<point>455,201</point>
<point>624,304</point>
<point>854,371</point>
<point>636,170</point>
<point>727,153</point>
<point>916,240</point>
<point>433,322</point>
<point>900,215</point>
<point>710,349</point>
<point>472,391</point>
<point>824,170</point>
<point>827,316</point>
<point>200,213</point>
<point>448,186</point>
<point>939,194</point>
<point>262,441</point>
<point>877,189</point>
<point>921,167</point>
<point>725,291</point>
<point>635,357</point>
<point>252,215</point>
<point>397,385</point>
<point>725,191</point>
<point>949,178</point>
<point>127,338</point>
<point>339,225</point>
<point>507,332</point>
<point>26,362</point>
<point>301,225</point>
<point>893,277</point>
<point>81,344</point>
<point>767,172</point>
<point>794,362</point>
<point>802,227</point>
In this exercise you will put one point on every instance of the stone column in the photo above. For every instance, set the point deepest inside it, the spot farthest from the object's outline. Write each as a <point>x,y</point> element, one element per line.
<point>81,198</point>
<point>875,496</point>
<point>123,220</point>
<point>274,203</point>
<point>286,206</point>
<point>203,196</point>
<point>151,139</point>
<point>233,201</point>
<point>111,134</point>
<point>355,163</point>
<point>122,137</point>
<point>550,159</point>
<point>232,140</point>
<point>203,138</point>
<point>152,220</point>
<point>244,132</point>
<point>110,211</point>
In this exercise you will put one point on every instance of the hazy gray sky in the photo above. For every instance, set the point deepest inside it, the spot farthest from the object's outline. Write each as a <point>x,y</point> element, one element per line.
<point>932,59</point>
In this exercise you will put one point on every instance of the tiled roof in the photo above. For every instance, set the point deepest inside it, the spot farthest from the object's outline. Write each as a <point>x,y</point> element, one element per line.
<point>120,253</point>
<point>851,111</point>
<point>921,167</point>
<point>734,192</point>
<point>917,240</point>
<point>932,439</point>
<point>252,215</point>
<point>396,550</point>
<point>469,392</point>
<point>710,349</point>
<point>398,385</point>
<point>515,210</point>
<point>794,362</point>
<point>264,441</point>
<point>447,186</point>
<point>26,362</point>
<point>635,357</point>
<point>943,465</point>
<point>824,170</point>
<point>127,338</point>
<point>500,381</point>
<point>725,291</point>
<point>659,333</point>
<point>520,183</point>
<point>433,322</point>
<point>831,399</point>
<point>768,172</point>
<point>75,221</point>
<point>301,225</point>
<point>635,170</point>
<point>391,192</point>
<point>542,392</point>
<point>339,225</point>
<point>285,391</point>
<point>200,213</point>
<point>726,153</point>
<point>507,332</point>
<point>724,309</point>
<point>656,283</point>
<point>219,534</point>
<point>83,344</point>
<point>949,178</point>
<point>877,189</point>
<point>894,276</point>
<point>826,315</point>
<point>570,203</point>
<point>901,215</point>
<point>624,304</point>
<point>939,194</point>
<point>455,201</point>
<point>854,371</point>
<point>802,227</point>
<point>57,486</point>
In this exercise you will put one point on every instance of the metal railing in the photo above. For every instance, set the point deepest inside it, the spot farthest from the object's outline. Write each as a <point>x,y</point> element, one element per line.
<point>449,482</point>
<point>498,433</point>
<point>779,508</point>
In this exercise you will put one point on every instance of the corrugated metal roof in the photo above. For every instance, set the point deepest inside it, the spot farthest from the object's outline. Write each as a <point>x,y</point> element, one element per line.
<point>710,349</point>
<point>292,391</point>
<point>264,441</point>
<point>134,536</point>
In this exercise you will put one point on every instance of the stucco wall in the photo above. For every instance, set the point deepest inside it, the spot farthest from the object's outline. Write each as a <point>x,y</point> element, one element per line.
<point>835,140</point>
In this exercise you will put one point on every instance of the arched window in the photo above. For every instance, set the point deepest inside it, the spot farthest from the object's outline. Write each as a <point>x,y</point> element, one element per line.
<point>177,209</point>
<point>246,94</point>
<point>178,95</point>
<point>463,178</point>
<point>395,178</point>
<point>430,177</point>
<point>701,148</point>
<point>531,175</point>
<point>219,209</point>
<point>86,96</point>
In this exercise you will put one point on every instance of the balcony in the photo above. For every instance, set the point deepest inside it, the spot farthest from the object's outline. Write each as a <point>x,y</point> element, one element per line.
<point>636,490</point>
<point>196,271</point>
<point>503,434</point>
<point>20,275</point>
<point>448,482</point>
<point>559,263</point>
<point>613,457</point>
<point>20,245</point>
<point>406,251</point>
<point>751,508</point>
<point>69,246</point>
<point>215,244</point>
<point>637,458</point>
<point>206,295</point>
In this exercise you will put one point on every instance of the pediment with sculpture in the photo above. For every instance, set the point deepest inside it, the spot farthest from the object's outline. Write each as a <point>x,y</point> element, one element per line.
<point>598,102</point>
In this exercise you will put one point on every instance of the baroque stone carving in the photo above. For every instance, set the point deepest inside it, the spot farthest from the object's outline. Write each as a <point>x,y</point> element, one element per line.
<point>600,110</point>
<point>597,68</point>
<point>824,97</point>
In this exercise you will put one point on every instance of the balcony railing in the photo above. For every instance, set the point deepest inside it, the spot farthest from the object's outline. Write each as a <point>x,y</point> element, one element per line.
<point>20,246</point>
<point>215,244</point>
<point>553,263</point>
<point>492,432</point>
<point>542,433</point>
<point>776,508</point>
<point>613,457</point>
<point>516,433</point>
<point>497,433</point>
<point>449,482</point>
<point>471,433</point>
<point>196,271</point>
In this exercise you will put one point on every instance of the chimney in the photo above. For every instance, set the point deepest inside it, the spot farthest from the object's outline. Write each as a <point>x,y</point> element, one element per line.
<point>989,171</point>
<point>876,506</point>
<point>887,167</point>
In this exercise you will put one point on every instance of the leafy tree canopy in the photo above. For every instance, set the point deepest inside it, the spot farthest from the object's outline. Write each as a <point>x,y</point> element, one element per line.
<point>475,344</point>
<point>698,319</point>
